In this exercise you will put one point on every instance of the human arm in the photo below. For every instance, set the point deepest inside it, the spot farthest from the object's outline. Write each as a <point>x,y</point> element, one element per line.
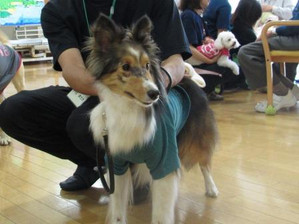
<point>283,11</point>
<point>65,43</point>
<point>198,56</point>
<point>290,30</point>
<point>175,67</point>
<point>75,73</point>
<point>174,46</point>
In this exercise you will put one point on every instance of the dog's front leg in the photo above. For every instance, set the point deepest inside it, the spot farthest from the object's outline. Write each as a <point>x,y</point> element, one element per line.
<point>165,192</point>
<point>117,213</point>
<point>224,61</point>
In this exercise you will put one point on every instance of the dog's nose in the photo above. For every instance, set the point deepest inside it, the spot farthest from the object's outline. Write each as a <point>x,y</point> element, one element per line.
<point>153,94</point>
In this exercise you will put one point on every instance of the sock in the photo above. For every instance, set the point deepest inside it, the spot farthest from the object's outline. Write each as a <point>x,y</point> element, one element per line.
<point>280,90</point>
<point>295,91</point>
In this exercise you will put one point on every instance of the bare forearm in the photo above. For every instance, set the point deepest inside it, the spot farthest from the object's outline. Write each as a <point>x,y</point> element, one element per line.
<point>174,65</point>
<point>200,57</point>
<point>75,72</point>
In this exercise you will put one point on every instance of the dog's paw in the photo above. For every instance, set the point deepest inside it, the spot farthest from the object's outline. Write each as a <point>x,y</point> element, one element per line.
<point>191,73</point>
<point>199,81</point>
<point>212,192</point>
<point>4,139</point>
<point>236,70</point>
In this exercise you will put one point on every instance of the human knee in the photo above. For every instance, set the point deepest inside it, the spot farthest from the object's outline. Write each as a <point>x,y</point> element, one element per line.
<point>242,54</point>
<point>9,111</point>
<point>77,128</point>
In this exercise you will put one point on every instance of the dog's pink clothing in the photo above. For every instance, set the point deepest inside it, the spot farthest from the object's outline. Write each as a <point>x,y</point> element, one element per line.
<point>210,51</point>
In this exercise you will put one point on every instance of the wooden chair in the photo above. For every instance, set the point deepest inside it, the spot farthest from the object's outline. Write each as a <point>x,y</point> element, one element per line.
<point>279,56</point>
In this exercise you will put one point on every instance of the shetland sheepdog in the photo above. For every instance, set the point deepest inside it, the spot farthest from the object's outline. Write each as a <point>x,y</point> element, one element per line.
<point>127,72</point>
<point>7,58</point>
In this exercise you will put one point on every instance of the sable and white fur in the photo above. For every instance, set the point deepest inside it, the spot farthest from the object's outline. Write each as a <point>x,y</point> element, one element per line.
<point>128,77</point>
<point>18,82</point>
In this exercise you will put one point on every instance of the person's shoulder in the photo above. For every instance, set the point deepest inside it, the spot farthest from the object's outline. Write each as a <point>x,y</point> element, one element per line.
<point>226,4</point>
<point>58,4</point>
<point>188,13</point>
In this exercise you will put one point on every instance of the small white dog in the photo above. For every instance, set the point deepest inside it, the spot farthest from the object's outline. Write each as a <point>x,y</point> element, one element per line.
<point>11,70</point>
<point>225,41</point>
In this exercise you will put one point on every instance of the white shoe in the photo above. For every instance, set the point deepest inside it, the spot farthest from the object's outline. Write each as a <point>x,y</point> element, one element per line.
<point>278,102</point>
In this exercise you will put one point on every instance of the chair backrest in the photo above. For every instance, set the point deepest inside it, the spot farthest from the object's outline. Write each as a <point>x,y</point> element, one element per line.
<point>275,55</point>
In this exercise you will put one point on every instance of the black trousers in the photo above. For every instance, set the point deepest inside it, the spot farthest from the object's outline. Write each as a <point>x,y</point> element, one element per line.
<point>47,120</point>
<point>213,80</point>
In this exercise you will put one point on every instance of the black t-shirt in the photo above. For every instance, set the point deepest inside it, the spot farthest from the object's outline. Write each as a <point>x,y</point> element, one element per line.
<point>64,23</point>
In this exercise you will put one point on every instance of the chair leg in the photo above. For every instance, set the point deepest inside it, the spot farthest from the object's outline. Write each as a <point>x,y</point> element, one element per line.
<point>282,68</point>
<point>270,110</point>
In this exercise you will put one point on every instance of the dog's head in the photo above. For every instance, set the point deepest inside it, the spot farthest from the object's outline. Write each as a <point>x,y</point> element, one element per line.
<point>226,39</point>
<point>125,60</point>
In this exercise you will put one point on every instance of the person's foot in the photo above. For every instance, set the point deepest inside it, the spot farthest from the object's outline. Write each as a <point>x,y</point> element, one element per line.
<point>83,178</point>
<point>278,102</point>
<point>215,97</point>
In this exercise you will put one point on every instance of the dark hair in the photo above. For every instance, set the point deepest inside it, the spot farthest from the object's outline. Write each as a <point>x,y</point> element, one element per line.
<point>189,4</point>
<point>248,12</point>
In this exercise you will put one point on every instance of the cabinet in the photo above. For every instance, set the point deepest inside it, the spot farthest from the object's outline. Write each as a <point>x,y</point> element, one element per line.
<point>31,43</point>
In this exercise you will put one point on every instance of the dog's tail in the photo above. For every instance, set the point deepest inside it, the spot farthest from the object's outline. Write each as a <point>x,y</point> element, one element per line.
<point>197,140</point>
<point>3,38</point>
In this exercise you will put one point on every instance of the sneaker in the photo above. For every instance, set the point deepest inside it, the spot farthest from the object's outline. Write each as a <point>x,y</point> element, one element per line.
<point>83,178</point>
<point>278,102</point>
<point>215,97</point>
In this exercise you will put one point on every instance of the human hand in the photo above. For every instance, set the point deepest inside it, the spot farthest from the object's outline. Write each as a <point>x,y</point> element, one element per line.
<point>215,59</point>
<point>267,8</point>
<point>270,33</point>
<point>208,40</point>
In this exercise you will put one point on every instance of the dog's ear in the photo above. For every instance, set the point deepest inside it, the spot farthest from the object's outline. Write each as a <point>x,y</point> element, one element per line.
<point>105,33</point>
<point>218,42</point>
<point>141,31</point>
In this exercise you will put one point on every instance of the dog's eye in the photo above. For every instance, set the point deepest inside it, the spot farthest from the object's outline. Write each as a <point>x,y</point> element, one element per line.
<point>126,67</point>
<point>147,66</point>
<point>229,39</point>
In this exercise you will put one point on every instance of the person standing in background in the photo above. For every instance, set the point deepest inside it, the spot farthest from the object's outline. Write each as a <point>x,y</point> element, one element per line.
<point>217,16</point>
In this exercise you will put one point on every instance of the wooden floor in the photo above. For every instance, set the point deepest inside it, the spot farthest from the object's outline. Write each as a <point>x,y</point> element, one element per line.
<point>256,169</point>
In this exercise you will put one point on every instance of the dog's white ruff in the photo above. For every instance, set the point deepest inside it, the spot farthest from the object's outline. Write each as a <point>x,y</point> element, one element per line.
<point>126,122</point>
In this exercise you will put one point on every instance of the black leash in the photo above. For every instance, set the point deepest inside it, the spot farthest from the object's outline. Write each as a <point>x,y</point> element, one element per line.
<point>110,189</point>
